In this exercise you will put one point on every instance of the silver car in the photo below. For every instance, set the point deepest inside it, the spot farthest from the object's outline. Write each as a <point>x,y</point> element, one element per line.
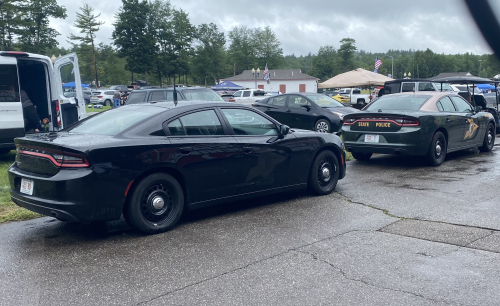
<point>102,97</point>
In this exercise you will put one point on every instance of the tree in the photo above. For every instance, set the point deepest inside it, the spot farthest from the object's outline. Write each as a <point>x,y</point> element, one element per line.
<point>163,33</point>
<point>36,35</point>
<point>242,50</point>
<point>346,54</point>
<point>88,24</point>
<point>133,35</point>
<point>268,49</point>
<point>11,21</point>
<point>210,55</point>
<point>184,34</point>
<point>324,66</point>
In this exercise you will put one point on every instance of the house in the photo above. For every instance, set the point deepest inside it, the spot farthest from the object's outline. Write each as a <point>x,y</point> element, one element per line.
<point>450,74</point>
<point>287,80</point>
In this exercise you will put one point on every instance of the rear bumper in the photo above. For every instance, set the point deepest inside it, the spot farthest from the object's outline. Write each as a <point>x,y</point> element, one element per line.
<point>72,194</point>
<point>382,149</point>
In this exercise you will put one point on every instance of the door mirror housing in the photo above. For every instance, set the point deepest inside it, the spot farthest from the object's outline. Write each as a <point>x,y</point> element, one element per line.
<point>478,109</point>
<point>284,130</point>
<point>308,107</point>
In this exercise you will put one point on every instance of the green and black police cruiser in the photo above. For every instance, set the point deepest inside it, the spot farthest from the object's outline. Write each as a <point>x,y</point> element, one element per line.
<point>418,124</point>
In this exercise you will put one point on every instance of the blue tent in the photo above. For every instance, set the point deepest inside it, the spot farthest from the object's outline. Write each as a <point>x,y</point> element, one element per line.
<point>72,85</point>
<point>485,86</point>
<point>227,85</point>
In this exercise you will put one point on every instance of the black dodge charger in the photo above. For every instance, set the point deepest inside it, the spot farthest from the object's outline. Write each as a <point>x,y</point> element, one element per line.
<point>151,162</point>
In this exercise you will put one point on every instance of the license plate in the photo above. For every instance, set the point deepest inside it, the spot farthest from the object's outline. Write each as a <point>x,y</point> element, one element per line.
<point>371,138</point>
<point>27,186</point>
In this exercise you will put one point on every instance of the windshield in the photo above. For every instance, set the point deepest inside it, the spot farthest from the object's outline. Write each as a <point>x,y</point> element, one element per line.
<point>399,102</point>
<point>323,101</point>
<point>114,121</point>
<point>201,95</point>
<point>446,86</point>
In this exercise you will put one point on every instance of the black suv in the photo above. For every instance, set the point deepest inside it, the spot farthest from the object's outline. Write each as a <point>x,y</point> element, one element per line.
<point>167,94</point>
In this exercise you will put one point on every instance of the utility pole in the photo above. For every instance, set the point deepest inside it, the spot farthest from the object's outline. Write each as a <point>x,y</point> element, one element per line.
<point>392,58</point>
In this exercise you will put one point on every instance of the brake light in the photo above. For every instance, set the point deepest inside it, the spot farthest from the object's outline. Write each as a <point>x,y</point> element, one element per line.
<point>14,53</point>
<point>58,113</point>
<point>99,96</point>
<point>59,159</point>
<point>410,122</point>
<point>231,100</point>
<point>349,121</point>
<point>396,120</point>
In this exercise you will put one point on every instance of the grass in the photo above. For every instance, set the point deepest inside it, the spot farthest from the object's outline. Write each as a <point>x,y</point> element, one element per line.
<point>8,210</point>
<point>348,156</point>
<point>96,110</point>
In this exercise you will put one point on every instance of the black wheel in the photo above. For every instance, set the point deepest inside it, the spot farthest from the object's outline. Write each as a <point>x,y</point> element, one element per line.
<point>361,156</point>
<point>324,173</point>
<point>156,204</point>
<point>322,126</point>
<point>437,151</point>
<point>107,103</point>
<point>489,139</point>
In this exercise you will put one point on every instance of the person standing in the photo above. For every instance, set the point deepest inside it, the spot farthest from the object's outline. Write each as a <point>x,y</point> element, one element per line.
<point>116,99</point>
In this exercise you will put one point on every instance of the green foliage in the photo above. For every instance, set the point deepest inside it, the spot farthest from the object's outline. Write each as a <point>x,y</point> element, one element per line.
<point>346,54</point>
<point>325,63</point>
<point>209,60</point>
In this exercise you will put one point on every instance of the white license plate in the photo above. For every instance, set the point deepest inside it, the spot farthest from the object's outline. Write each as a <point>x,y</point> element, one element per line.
<point>27,186</point>
<point>371,138</point>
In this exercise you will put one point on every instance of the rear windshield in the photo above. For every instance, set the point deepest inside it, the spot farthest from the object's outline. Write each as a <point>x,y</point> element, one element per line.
<point>201,95</point>
<point>114,121</point>
<point>137,97</point>
<point>399,102</point>
<point>9,86</point>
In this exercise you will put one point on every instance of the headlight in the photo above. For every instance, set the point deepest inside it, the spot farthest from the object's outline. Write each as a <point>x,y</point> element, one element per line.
<point>341,116</point>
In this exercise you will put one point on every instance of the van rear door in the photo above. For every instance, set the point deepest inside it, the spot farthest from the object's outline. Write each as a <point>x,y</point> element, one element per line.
<point>70,105</point>
<point>11,109</point>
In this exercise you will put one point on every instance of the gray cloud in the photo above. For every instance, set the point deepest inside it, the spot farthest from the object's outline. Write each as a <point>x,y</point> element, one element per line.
<point>443,26</point>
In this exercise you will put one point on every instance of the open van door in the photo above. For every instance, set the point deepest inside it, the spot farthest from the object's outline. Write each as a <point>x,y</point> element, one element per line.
<point>11,109</point>
<point>69,105</point>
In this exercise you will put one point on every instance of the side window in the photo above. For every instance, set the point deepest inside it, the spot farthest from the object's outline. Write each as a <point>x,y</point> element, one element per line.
<point>202,123</point>
<point>408,87</point>
<point>136,97</point>
<point>157,95</point>
<point>297,101</point>
<point>176,129</point>
<point>447,105</point>
<point>439,106</point>
<point>427,86</point>
<point>9,88</point>
<point>245,122</point>
<point>170,96</point>
<point>246,93</point>
<point>237,94</point>
<point>68,80</point>
<point>278,101</point>
<point>461,104</point>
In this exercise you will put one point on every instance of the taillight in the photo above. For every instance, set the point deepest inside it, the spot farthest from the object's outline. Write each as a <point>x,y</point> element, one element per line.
<point>231,100</point>
<point>59,159</point>
<point>58,113</point>
<point>349,121</point>
<point>410,122</point>
<point>99,96</point>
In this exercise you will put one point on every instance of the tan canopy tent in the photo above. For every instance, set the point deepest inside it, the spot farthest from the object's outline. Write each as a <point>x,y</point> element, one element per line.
<point>355,78</point>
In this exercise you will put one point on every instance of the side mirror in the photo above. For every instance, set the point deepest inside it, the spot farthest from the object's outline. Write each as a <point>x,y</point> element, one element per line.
<point>308,107</point>
<point>478,109</point>
<point>284,129</point>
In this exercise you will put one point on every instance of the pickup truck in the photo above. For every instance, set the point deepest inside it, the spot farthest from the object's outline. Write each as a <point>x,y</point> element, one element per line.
<point>247,96</point>
<point>358,100</point>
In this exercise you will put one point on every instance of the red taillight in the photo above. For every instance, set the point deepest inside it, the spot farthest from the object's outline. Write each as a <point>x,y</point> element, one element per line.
<point>60,159</point>
<point>14,53</point>
<point>99,96</point>
<point>58,113</point>
<point>231,100</point>
<point>349,121</point>
<point>410,122</point>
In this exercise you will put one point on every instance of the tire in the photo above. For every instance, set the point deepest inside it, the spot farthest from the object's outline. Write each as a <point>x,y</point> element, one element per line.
<point>322,126</point>
<point>324,173</point>
<point>489,139</point>
<point>107,103</point>
<point>437,151</point>
<point>361,156</point>
<point>139,211</point>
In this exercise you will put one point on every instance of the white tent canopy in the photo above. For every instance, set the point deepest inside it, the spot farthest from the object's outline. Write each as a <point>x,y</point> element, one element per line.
<point>355,78</point>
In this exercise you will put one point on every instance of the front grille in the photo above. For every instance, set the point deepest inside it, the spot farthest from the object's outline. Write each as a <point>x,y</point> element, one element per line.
<point>36,164</point>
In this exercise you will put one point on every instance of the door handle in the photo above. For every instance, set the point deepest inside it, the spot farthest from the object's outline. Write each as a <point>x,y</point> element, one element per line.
<point>186,150</point>
<point>247,150</point>
<point>288,111</point>
<point>448,119</point>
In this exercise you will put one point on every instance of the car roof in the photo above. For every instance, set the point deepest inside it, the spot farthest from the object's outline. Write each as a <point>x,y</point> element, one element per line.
<point>170,89</point>
<point>188,104</point>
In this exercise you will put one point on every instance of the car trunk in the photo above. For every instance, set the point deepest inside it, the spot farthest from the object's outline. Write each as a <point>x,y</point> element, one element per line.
<point>380,122</point>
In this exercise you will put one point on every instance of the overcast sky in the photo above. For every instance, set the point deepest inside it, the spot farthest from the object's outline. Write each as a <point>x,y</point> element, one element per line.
<point>443,26</point>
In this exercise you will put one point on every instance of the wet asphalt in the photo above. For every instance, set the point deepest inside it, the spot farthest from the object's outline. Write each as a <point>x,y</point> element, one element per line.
<point>395,232</point>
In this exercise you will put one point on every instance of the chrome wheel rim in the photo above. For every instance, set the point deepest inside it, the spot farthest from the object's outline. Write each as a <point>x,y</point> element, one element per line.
<point>438,148</point>
<point>325,170</point>
<point>490,136</point>
<point>322,127</point>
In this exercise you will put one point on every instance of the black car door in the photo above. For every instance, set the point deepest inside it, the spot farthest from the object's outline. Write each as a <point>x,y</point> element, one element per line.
<point>276,108</point>
<point>471,132</point>
<point>453,122</point>
<point>207,157</point>
<point>267,162</point>
<point>300,112</point>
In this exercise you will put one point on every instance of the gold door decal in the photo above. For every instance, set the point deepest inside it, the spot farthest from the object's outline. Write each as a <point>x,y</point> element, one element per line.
<point>472,129</point>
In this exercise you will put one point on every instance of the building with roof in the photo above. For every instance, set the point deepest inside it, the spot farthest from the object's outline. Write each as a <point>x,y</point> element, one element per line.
<point>286,80</point>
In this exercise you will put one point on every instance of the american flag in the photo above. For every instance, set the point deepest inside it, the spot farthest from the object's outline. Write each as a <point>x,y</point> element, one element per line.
<point>377,64</point>
<point>266,74</point>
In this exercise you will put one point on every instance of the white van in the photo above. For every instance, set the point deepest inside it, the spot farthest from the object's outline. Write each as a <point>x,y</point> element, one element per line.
<point>42,81</point>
